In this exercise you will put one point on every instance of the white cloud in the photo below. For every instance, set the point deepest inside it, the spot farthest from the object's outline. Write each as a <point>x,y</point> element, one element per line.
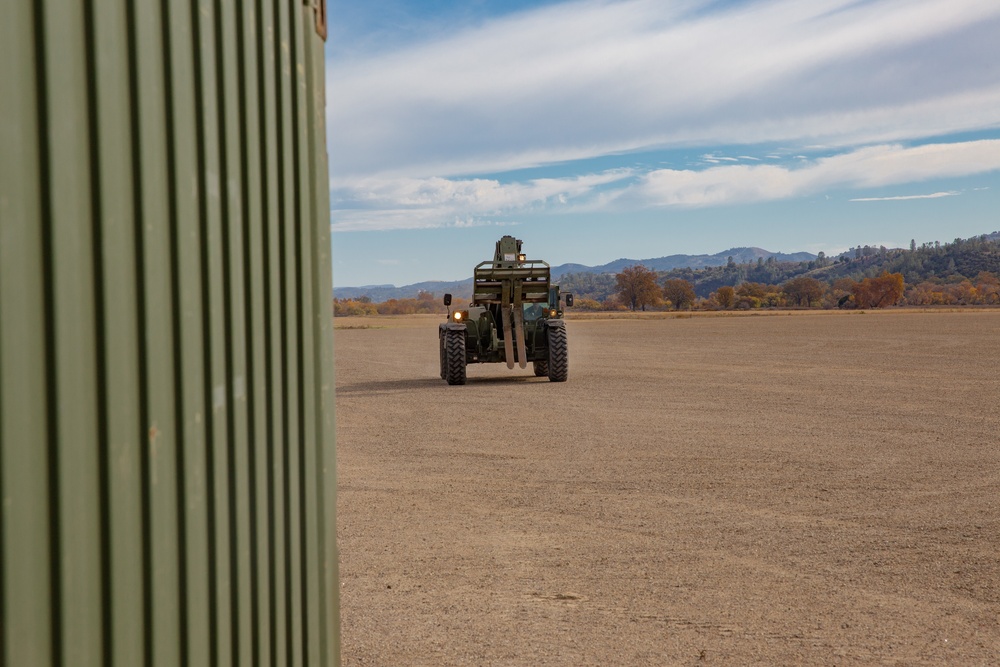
<point>868,167</point>
<point>377,203</point>
<point>415,203</point>
<point>594,77</point>
<point>933,195</point>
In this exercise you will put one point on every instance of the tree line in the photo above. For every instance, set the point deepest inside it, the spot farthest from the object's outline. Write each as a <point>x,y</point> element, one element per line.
<point>424,303</point>
<point>963,272</point>
<point>639,288</point>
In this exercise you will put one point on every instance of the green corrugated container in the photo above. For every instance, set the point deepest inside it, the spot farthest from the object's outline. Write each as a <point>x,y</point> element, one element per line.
<point>167,459</point>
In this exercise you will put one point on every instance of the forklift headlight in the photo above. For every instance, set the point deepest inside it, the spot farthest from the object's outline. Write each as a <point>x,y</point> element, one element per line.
<point>458,315</point>
<point>552,313</point>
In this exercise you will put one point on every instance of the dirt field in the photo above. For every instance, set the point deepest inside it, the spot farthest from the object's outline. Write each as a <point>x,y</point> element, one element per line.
<point>784,489</point>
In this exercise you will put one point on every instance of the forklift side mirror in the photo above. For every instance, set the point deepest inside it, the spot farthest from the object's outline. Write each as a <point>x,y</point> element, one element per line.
<point>447,299</point>
<point>569,299</point>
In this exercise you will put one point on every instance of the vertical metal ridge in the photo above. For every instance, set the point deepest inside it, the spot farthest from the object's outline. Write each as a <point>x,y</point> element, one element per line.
<point>100,333</point>
<point>280,10</point>
<point>176,325</point>
<point>252,435</point>
<point>229,474</point>
<point>24,387</point>
<point>141,305</point>
<point>198,424</point>
<point>295,25</point>
<point>206,329</point>
<point>51,372</point>
<point>311,547</point>
<point>322,284</point>
<point>175,290</point>
<point>269,223</point>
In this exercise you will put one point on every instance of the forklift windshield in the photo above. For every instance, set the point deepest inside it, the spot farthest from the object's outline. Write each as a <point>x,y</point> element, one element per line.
<point>534,311</point>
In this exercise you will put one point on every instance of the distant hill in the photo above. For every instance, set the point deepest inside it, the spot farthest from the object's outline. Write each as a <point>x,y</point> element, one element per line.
<point>934,262</point>
<point>380,293</point>
<point>738,255</point>
<point>931,262</point>
<point>948,262</point>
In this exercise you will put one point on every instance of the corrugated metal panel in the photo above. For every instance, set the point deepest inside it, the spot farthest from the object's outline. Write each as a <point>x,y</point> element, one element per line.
<point>167,459</point>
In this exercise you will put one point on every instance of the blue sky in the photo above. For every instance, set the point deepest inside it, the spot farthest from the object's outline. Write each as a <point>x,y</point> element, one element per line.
<point>600,129</point>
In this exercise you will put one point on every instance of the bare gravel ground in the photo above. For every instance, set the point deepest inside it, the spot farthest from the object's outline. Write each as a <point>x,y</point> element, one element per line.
<point>813,488</point>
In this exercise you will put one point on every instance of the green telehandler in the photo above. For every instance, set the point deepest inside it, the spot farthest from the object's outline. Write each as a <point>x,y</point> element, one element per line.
<point>516,316</point>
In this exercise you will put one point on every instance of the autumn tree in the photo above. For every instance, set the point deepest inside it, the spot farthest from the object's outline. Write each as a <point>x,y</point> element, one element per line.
<point>613,303</point>
<point>637,287</point>
<point>988,286</point>
<point>924,294</point>
<point>889,288</point>
<point>587,304</point>
<point>679,292</point>
<point>804,290</point>
<point>759,295</point>
<point>752,289</point>
<point>862,293</point>
<point>879,292</point>
<point>351,307</point>
<point>965,293</point>
<point>842,286</point>
<point>725,296</point>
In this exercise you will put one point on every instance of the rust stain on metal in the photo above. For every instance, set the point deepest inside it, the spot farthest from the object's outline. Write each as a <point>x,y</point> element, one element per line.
<point>320,9</point>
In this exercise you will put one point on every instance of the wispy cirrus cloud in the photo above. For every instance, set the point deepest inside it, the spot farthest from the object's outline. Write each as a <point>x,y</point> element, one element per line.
<point>596,77</point>
<point>869,167</point>
<point>408,203</point>
<point>933,195</point>
<point>380,202</point>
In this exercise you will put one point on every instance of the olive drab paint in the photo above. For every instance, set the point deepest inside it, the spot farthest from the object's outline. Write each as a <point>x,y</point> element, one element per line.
<point>515,316</point>
<point>167,461</point>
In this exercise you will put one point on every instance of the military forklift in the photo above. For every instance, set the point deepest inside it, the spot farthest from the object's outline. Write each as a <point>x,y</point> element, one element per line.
<point>516,316</point>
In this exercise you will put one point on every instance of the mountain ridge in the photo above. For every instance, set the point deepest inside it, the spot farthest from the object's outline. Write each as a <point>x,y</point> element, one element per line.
<point>739,255</point>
